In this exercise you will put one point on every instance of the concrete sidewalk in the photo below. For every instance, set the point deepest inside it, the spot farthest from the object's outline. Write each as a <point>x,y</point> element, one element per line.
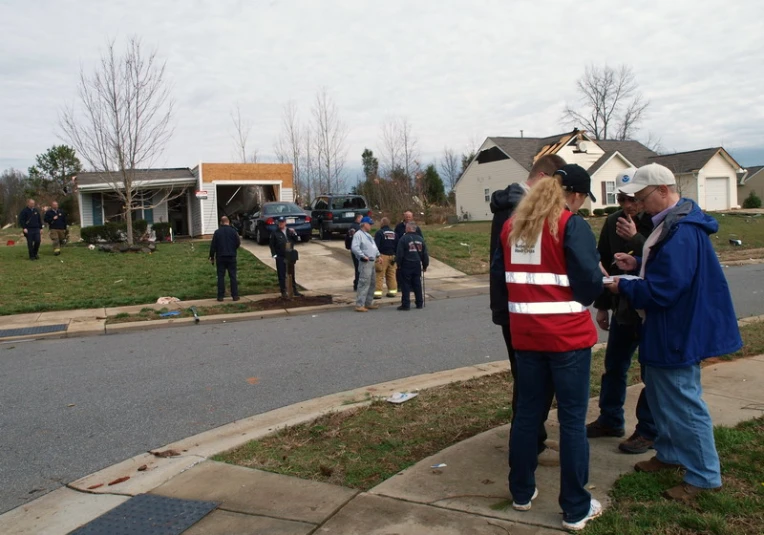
<point>468,495</point>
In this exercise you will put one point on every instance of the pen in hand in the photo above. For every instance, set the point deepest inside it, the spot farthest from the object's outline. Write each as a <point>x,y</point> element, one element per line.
<point>615,261</point>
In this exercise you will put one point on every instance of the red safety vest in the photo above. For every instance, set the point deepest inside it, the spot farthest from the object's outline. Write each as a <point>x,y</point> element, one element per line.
<point>542,313</point>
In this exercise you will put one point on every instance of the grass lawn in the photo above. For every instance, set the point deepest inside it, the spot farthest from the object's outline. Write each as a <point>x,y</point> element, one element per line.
<point>361,448</point>
<point>444,241</point>
<point>81,278</point>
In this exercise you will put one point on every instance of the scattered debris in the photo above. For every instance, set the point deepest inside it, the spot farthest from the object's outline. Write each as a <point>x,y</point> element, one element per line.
<point>33,491</point>
<point>91,247</point>
<point>91,487</point>
<point>400,397</point>
<point>170,314</point>
<point>487,482</point>
<point>196,314</point>
<point>120,280</point>
<point>167,300</point>
<point>591,487</point>
<point>143,468</point>
<point>164,454</point>
<point>71,405</point>
<point>736,242</point>
<point>253,380</point>
<point>439,465</point>
<point>119,480</point>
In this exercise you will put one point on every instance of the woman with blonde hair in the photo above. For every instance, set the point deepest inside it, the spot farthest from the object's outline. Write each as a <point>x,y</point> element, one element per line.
<point>552,274</point>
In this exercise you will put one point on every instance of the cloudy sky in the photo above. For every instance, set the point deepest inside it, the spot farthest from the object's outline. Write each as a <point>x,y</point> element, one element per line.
<point>457,70</point>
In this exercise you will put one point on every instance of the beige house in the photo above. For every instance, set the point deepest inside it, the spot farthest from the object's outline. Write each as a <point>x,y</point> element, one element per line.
<point>752,180</point>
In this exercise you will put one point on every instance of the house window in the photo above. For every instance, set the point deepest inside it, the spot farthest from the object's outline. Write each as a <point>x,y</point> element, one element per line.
<point>610,194</point>
<point>487,194</point>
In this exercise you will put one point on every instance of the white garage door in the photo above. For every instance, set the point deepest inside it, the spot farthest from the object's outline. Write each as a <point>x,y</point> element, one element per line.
<point>717,193</point>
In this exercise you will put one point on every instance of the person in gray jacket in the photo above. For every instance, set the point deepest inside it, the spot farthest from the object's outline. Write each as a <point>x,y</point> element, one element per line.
<point>365,250</point>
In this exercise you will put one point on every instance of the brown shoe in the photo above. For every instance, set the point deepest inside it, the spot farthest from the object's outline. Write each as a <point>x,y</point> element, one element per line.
<point>685,492</point>
<point>636,444</point>
<point>654,465</point>
<point>372,307</point>
<point>597,430</point>
<point>361,309</point>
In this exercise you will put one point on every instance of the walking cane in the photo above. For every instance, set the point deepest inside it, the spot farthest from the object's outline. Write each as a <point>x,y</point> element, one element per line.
<point>424,294</point>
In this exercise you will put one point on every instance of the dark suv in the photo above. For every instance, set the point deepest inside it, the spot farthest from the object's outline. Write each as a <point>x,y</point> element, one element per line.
<point>335,213</point>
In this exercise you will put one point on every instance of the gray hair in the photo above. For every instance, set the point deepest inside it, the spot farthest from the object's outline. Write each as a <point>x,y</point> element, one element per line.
<point>411,226</point>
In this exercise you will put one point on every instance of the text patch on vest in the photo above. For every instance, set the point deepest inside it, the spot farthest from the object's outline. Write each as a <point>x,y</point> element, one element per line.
<point>523,253</point>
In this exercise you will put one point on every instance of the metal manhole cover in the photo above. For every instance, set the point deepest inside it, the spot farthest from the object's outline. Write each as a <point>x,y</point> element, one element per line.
<point>27,331</point>
<point>148,514</point>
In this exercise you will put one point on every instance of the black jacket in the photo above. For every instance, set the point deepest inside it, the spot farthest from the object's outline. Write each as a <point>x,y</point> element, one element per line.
<point>278,241</point>
<point>225,241</point>
<point>412,251</point>
<point>30,219</point>
<point>503,204</point>
<point>387,241</point>
<point>58,224</point>
<point>400,230</point>
<point>611,243</point>
<point>354,227</point>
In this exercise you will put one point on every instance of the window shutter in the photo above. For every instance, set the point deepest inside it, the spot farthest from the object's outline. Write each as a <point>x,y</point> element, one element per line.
<point>97,209</point>
<point>603,199</point>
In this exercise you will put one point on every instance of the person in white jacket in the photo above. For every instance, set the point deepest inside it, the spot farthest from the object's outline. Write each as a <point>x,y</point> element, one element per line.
<point>365,250</point>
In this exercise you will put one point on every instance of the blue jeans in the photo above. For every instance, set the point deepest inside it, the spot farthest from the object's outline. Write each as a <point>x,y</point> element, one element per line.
<point>568,373</point>
<point>685,430</point>
<point>622,341</point>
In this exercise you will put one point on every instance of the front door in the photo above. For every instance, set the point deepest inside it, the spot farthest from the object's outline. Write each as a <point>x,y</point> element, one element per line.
<point>177,215</point>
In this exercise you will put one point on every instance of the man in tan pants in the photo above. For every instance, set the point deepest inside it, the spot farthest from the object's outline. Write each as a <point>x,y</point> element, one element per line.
<point>56,220</point>
<point>387,243</point>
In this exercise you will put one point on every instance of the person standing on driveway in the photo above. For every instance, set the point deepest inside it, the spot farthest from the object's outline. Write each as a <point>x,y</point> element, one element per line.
<point>56,220</point>
<point>624,231</point>
<point>30,222</point>
<point>354,227</point>
<point>365,250</point>
<point>503,204</point>
<point>413,260</point>
<point>688,316</point>
<point>279,250</point>
<point>223,250</point>
<point>387,243</point>
<point>552,274</point>
<point>400,228</point>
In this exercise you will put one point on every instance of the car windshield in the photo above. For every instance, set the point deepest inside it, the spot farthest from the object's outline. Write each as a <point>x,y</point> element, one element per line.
<point>351,202</point>
<point>281,208</point>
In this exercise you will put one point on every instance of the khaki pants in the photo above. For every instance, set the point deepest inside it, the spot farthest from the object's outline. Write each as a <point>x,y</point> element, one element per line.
<point>386,270</point>
<point>57,236</point>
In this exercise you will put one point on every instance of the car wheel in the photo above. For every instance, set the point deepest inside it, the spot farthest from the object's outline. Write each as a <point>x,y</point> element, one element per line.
<point>259,236</point>
<point>323,233</point>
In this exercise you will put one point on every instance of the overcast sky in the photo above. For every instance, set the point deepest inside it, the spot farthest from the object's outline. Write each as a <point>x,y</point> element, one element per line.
<point>458,71</point>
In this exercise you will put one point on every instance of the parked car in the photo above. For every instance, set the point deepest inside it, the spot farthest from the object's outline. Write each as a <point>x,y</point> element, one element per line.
<point>260,224</point>
<point>335,213</point>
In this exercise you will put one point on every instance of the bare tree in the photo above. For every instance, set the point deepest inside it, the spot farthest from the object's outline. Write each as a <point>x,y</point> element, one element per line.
<point>610,103</point>
<point>290,148</point>
<point>450,167</point>
<point>400,151</point>
<point>654,143</point>
<point>329,137</point>
<point>241,129</point>
<point>13,185</point>
<point>390,154</point>
<point>123,122</point>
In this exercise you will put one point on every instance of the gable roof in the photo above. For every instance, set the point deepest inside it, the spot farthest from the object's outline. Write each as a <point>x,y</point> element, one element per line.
<point>633,150</point>
<point>147,175</point>
<point>692,161</point>
<point>752,170</point>
<point>605,158</point>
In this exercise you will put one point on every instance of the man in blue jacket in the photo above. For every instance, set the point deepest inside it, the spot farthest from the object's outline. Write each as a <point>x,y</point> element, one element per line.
<point>683,298</point>
<point>30,222</point>
<point>223,247</point>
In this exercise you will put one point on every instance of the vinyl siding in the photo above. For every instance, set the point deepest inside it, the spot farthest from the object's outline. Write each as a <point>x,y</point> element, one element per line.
<point>753,184</point>
<point>196,208</point>
<point>209,209</point>
<point>287,195</point>
<point>606,173</point>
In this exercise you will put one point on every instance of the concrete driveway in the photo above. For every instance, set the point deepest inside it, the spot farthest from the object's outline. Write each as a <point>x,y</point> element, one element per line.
<point>326,265</point>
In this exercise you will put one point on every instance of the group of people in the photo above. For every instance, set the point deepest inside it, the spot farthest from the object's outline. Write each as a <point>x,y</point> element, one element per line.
<point>656,283</point>
<point>397,258</point>
<point>31,221</point>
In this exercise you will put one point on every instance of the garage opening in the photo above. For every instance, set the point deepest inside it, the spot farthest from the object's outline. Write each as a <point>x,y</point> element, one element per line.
<point>239,202</point>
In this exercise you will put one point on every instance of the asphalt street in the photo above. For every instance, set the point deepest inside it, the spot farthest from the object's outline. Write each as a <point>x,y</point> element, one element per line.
<point>70,407</point>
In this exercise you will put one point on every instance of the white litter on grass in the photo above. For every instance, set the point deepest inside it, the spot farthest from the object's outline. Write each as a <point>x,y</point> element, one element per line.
<point>400,397</point>
<point>91,247</point>
<point>314,316</point>
<point>120,280</point>
<point>441,465</point>
<point>167,300</point>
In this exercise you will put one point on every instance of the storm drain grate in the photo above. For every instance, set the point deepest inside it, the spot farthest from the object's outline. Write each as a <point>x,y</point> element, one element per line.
<point>148,514</point>
<point>27,331</point>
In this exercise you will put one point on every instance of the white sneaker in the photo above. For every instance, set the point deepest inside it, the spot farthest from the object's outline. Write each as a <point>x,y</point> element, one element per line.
<point>526,506</point>
<point>595,510</point>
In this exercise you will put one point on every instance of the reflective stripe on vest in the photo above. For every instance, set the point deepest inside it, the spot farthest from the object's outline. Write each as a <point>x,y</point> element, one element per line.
<point>553,307</point>
<point>548,279</point>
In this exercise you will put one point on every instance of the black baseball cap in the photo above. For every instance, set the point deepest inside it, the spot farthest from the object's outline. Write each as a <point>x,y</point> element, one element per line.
<point>576,179</point>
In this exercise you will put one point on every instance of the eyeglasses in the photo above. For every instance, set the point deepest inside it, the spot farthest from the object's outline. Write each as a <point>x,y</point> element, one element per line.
<point>643,199</point>
<point>623,199</point>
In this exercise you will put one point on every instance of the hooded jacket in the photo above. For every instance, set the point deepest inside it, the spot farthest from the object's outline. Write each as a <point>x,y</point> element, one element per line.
<point>503,203</point>
<point>689,315</point>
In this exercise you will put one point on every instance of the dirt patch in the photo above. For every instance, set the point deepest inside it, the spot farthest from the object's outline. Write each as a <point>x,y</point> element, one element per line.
<point>271,303</point>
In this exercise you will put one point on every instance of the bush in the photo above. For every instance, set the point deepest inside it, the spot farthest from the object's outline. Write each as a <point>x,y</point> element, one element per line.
<point>583,212</point>
<point>752,201</point>
<point>90,234</point>
<point>598,212</point>
<point>162,230</point>
<point>139,227</point>
<point>611,209</point>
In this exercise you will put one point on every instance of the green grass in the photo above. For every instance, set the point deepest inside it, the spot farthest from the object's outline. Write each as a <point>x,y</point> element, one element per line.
<point>362,447</point>
<point>81,278</point>
<point>444,241</point>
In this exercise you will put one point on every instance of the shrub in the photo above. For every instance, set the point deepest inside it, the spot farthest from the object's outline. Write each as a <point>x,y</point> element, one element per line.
<point>139,227</point>
<point>752,201</point>
<point>90,234</point>
<point>162,230</point>
<point>598,212</point>
<point>611,209</point>
<point>114,232</point>
<point>583,212</point>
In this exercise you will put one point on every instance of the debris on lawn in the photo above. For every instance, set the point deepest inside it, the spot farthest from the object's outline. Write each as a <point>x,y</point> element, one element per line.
<point>167,300</point>
<point>119,480</point>
<point>440,465</point>
<point>196,314</point>
<point>170,314</point>
<point>253,380</point>
<point>142,468</point>
<point>91,487</point>
<point>164,454</point>
<point>401,397</point>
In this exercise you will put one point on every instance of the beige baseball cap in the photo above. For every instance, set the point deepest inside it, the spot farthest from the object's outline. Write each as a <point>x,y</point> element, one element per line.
<point>648,175</point>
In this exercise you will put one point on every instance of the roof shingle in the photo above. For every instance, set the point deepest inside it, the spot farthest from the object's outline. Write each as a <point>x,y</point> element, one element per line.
<point>88,178</point>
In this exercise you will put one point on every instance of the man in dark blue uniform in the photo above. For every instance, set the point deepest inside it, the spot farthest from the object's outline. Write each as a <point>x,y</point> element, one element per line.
<point>56,220</point>
<point>413,260</point>
<point>279,250</point>
<point>225,243</point>
<point>30,222</point>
